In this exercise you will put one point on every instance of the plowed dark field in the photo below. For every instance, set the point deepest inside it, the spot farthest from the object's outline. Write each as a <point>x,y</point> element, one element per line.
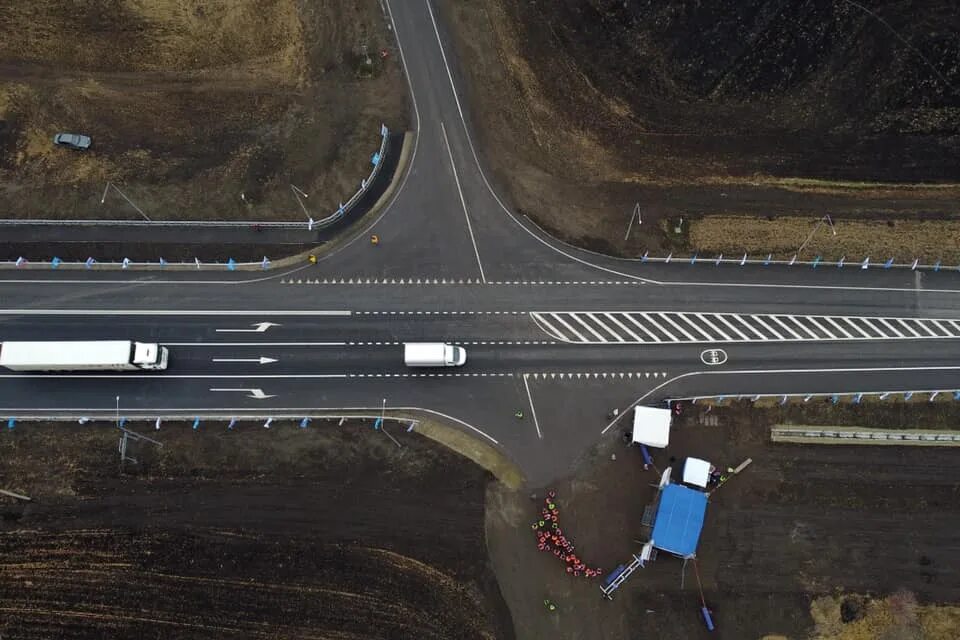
<point>328,532</point>
<point>691,108</point>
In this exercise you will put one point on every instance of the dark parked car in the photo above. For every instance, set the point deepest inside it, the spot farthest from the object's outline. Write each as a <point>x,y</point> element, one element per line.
<point>72,140</point>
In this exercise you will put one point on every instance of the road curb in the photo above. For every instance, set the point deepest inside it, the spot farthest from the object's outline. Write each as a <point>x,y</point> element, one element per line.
<point>398,173</point>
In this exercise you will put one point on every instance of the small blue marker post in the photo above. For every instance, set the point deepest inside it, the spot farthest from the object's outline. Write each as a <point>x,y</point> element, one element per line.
<point>196,423</point>
<point>11,423</point>
<point>693,260</point>
<point>377,423</point>
<point>888,263</point>
<point>857,398</point>
<point>707,618</point>
<point>231,265</point>
<point>233,421</point>
<point>766,262</point>
<point>55,262</point>
<point>304,423</point>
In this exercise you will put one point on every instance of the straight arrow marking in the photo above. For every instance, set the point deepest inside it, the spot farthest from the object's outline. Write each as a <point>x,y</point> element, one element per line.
<point>260,360</point>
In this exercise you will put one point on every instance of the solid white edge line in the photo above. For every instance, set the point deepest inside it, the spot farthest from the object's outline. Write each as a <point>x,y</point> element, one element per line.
<point>769,372</point>
<point>463,202</point>
<point>296,412</point>
<point>214,345</point>
<point>533,409</point>
<point>170,312</point>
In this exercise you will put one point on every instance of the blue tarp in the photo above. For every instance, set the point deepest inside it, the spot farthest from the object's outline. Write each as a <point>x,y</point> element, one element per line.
<point>679,520</point>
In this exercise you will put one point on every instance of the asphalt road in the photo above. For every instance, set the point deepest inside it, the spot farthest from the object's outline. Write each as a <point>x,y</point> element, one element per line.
<point>455,264</point>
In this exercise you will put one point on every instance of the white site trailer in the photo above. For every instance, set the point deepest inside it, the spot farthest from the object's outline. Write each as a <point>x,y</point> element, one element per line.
<point>90,355</point>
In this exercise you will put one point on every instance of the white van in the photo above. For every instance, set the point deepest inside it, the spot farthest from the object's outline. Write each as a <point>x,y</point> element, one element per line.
<point>433,354</point>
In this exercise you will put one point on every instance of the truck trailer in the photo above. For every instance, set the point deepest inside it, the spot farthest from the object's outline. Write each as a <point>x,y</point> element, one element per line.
<point>91,355</point>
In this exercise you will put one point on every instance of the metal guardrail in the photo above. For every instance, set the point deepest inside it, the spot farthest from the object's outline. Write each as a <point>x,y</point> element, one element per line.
<point>310,225</point>
<point>861,435</point>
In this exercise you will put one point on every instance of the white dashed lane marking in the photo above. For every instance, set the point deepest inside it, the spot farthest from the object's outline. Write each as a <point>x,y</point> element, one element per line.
<point>540,375</point>
<point>680,327</point>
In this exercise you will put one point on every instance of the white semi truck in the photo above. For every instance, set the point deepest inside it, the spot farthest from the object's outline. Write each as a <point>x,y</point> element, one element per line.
<point>91,355</point>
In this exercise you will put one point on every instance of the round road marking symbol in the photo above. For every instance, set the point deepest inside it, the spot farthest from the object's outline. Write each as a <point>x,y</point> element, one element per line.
<point>713,357</point>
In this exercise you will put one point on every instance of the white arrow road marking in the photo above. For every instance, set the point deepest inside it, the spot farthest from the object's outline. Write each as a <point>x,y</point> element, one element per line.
<point>260,360</point>
<point>254,393</point>
<point>259,327</point>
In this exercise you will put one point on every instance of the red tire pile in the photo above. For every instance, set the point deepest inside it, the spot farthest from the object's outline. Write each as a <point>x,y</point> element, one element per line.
<point>550,538</point>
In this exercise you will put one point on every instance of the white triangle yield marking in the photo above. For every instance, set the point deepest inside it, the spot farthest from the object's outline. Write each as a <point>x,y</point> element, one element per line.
<point>663,373</point>
<point>621,375</point>
<point>647,374</point>
<point>630,375</point>
<point>342,281</point>
<point>552,376</point>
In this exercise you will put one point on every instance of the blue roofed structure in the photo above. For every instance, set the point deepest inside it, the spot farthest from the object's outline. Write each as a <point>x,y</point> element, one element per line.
<point>679,520</point>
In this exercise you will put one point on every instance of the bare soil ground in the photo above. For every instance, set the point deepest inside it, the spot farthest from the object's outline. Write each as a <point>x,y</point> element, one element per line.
<point>191,103</point>
<point>750,108</point>
<point>801,523</point>
<point>325,532</point>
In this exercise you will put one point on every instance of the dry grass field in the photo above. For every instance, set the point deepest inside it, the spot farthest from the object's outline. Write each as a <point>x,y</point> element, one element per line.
<point>190,103</point>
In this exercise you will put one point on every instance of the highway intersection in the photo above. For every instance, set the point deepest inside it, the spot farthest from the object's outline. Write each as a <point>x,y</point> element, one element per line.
<point>564,334</point>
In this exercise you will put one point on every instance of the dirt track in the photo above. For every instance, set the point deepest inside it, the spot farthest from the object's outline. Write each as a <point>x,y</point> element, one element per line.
<point>801,521</point>
<point>329,532</point>
<point>191,104</point>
